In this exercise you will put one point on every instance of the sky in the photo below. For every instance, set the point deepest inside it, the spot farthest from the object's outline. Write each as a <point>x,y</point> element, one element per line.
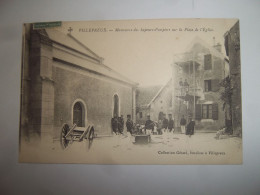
<point>143,50</point>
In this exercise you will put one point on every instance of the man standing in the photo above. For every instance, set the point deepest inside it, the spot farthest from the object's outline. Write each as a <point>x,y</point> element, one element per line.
<point>171,123</point>
<point>121,124</point>
<point>190,127</point>
<point>159,127</point>
<point>183,124</point>
<point>149,125</point>
<point>129,124</point>
<point>165,123</point>
<point>114,124</point>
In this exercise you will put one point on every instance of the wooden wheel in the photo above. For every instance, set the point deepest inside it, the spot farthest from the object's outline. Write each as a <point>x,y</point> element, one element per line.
<point>91,134</point>
<point>64,131</point>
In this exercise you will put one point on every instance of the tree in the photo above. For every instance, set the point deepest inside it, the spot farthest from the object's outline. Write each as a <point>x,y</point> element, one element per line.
<point>225,96</point>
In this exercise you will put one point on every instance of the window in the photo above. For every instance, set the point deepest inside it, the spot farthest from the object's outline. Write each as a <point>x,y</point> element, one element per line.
<point>208,62</point>
<point>207,111</point>
<point>116,106</point>
<point>78,114</point>
<point>207,85</point>
<point>141,115</point>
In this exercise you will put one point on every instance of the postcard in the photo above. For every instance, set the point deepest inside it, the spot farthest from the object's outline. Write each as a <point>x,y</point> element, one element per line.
<point>162,91</point>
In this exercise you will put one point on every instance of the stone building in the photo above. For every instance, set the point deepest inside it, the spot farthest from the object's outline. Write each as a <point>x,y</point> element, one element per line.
<point>155,101</point>
<point>197,74</point>
<point>144,95</point>
<point>63,81</point>
<point>232,45</point>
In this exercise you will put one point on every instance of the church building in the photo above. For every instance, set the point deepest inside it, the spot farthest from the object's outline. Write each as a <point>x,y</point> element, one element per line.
<point>63,81</point>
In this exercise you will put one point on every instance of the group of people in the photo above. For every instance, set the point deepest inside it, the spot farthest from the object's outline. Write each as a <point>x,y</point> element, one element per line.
<point>165,125</point>
<point>150,127</point>
<point>117,124</point>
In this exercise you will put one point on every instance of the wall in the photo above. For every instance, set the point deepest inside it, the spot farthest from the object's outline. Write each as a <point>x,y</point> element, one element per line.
<point>97,94</point>
<point>233,49</point>
<point>162,103</point>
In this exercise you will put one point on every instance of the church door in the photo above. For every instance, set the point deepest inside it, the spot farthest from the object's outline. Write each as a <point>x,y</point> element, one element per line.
<point>116,106</point>
<point>78,114</point>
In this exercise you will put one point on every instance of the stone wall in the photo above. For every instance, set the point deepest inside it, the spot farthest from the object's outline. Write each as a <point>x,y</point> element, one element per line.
<point>71,85</point>
<point>232,44</point>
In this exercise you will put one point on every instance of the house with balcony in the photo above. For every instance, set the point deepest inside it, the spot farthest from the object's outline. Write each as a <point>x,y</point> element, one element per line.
<point>196,75</point>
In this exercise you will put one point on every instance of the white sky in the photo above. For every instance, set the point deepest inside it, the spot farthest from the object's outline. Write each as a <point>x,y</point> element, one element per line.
<point>146,57</point>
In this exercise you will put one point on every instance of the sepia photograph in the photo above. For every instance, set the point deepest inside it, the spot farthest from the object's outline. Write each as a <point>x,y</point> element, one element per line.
<point>165,91</point>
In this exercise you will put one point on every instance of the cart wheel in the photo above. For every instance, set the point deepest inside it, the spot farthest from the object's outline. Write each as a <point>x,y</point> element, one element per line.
<point>91,134</point>
<point>63,141</point>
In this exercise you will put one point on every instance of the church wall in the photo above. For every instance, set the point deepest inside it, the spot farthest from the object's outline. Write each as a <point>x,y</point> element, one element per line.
<point>95,91</point>
<point>38,97</point>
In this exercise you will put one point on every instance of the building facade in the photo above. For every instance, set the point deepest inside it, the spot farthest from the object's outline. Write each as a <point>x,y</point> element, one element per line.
<point>196,76</point>
<point>63,81</point>
<point>154,101</point>
<point>232,45</point>
<point>144,96</point>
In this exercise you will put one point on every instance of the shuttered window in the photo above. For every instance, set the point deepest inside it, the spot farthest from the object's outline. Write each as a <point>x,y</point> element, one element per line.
<point>207,85</point>
<point>207,62</point>
<point>206,111</point>
<point>215,111</point>
<point>198,112</point>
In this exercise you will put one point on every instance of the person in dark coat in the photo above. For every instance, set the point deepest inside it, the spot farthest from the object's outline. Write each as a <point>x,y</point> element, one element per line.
<point>129,124</point>
<point>149,124</point>
<point>186,85</point>
<point>171,123</point>
<point>165,123</point>
<point>190,128</point>
<point>183,123</point>
<point>121,124</point>
<point>114,124</point>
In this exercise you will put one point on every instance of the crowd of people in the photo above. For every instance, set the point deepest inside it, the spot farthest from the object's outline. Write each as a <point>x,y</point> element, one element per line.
<point>117,124</point>
<point>163,125</point>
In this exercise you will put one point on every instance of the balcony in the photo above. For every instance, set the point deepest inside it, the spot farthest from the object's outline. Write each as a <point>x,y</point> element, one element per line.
<point>188,93</point>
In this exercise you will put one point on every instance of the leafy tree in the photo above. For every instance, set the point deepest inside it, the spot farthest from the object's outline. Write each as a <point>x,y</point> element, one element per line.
<point>225,96</point>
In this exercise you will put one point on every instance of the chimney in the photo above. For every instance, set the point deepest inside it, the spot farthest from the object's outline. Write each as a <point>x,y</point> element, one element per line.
<point>218,47</point>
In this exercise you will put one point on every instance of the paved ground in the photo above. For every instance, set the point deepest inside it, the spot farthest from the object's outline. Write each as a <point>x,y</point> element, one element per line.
<point>169,148</point>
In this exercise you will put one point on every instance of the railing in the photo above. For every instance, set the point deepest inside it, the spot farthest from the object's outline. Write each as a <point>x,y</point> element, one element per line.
<point>183,91</point>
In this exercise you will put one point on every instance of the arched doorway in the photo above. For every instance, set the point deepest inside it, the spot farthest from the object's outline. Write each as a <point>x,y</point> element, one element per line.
<point>116,106</point>
<point>79,114</point>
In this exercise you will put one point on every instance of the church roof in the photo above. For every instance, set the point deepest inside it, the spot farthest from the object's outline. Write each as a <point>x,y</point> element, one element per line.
<point>94,62</point>
<point>146,94</point>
